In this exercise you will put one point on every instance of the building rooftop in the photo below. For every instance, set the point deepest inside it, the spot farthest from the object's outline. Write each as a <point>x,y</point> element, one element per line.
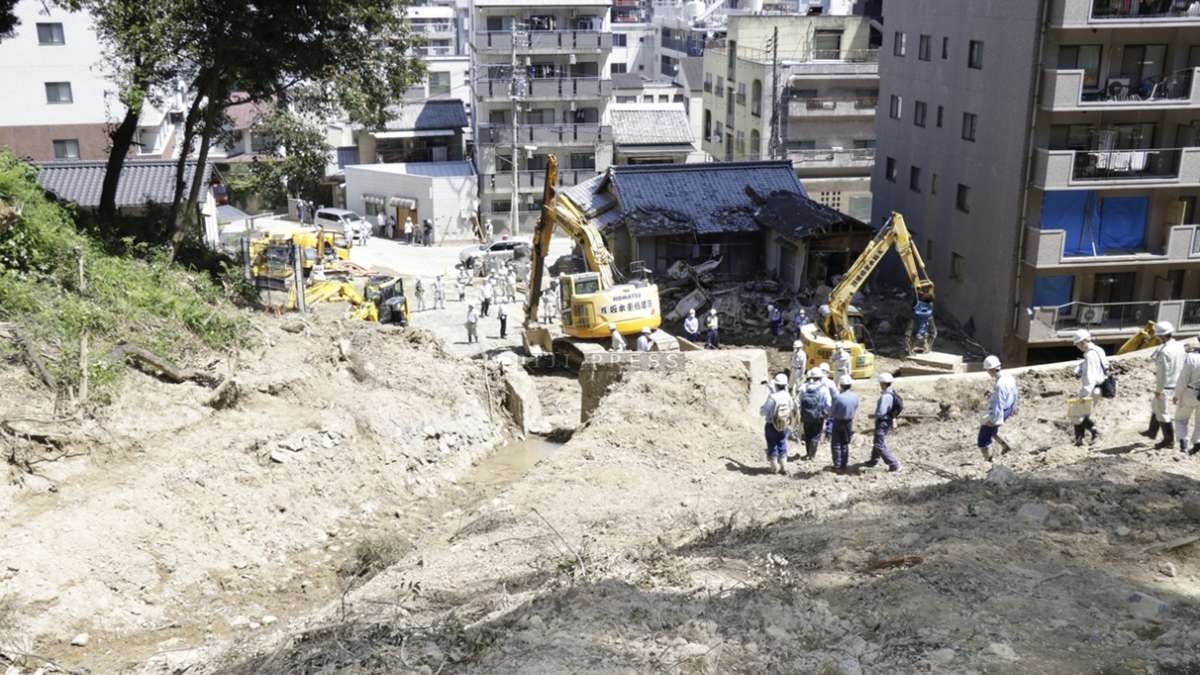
<point>142,181</point>
<point>432,169</point>
<point>650,124</point>
<point>427,115</point>
<point>796,216</point>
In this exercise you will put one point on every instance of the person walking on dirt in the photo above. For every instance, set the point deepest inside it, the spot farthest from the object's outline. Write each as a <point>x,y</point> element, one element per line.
<point>712,324</point>
<point>841,361</point>
<point>1091,373</point>
<point>644,343</point>
<point>776,319</point>
<point>472,324</point>
<point>814,402</point>
<point>886,409</point>
<point>439,293</point>
<point>1168,360</point>
<point>550,303</point>
<point>428,232</point>
<point>841,413</point>
<point>511,282</point>
<point>503,318</point>
<point>1187,402</point>
<point>799,367</point>
<point>419,291</point>
<point>1001,405</point>
<point>485,293</point>
<point>777,411</point>
<point>489,231</point>
<point>618,342</point>
<point>691,326</point>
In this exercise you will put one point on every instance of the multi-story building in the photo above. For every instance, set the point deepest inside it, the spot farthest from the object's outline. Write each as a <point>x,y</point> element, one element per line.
<point>825,75</point>
<point>634,49</point>
<point>443,28</point>
<point>60,104</point>
<point>563,88</point>
<point>630,11</point>
<point>1047,156</point>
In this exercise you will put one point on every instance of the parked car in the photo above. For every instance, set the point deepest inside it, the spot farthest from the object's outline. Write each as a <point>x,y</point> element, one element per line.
<point>341,220</point>
<point>503,250</point>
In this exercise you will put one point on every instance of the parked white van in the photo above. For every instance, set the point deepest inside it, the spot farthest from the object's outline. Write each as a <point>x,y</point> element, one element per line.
<point>340,220</point>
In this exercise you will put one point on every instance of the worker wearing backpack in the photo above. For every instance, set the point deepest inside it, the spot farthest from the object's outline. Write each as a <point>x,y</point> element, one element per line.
<point>777,410</point>
<point>889,406</point>
<point>814,403</point>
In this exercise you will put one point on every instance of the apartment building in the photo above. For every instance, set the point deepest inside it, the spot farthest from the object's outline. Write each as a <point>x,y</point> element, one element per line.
<point>826,78</point>
<point>59,103</point>
<point>562,88</point>
<point>442,26</point>
<point>1047,155</point>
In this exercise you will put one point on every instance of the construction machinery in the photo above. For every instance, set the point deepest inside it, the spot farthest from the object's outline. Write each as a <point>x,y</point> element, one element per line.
<point>588,301</point>
<point>1143,339</point>
<point>270,254</point>
<point>386,292</point>
<point>837,327</point>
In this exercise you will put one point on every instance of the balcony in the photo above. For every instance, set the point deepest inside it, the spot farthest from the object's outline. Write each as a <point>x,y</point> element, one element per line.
<point>1113,169</point>
<point>435,29</point>
<point>1062,90</point>
<point>1106,321</point>
<point>548,88</point>
<point>532,181</point>
<point>546,134</point>
<point>545,41</point>
<point>858,158</point>
<point>434,50</point>
<point>1045,250</point>
<point>1120,13</point>
<point>833,107</point>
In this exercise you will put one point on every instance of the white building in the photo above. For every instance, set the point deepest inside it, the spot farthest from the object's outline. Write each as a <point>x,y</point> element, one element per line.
<point>59,104</point>
<point>444,192</point>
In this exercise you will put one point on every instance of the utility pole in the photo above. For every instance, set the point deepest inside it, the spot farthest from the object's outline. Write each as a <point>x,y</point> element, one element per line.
<point>775,94</point>
<point>515,86</point>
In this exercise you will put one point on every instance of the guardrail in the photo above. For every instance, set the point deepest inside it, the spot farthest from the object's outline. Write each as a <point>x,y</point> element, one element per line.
<point>546,134</point>
<point>544,40</point>
<point>533,180</point>
<point>1063,89</point>
<point>548,87</point>
<point>1046,249</point>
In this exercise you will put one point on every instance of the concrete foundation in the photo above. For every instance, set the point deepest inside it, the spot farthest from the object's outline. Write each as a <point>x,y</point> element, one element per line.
<point>521,398</point>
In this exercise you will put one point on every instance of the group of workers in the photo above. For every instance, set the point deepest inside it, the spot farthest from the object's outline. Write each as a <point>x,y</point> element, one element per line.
<point>617,341</point>
<point>499,288</point>
<point>1175,405</point>
<point>712,327</point>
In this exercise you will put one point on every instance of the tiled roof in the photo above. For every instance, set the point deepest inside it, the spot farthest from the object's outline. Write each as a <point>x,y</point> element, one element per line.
<point>142,181</point>
<point>433,169</point>
<point>796,216</point>
<point>431,114</point>
<point>634,126</point>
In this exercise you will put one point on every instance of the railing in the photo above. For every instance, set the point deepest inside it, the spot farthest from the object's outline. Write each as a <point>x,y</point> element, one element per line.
<point>1105,316</point>
<point>1190,315</point>
<point>1126,164</point>
<point>546,134</point>
<point>857,157</point>
<point>815,107</point>
<point>533,180</point>
<point>545,40</point>
<point>720,46</point>
<point>432,50</point>
<point>548,87</point>
<point>1064,90</point>
<point>1046,249</point>
<point>435,28</point>
<point>1136,9</point>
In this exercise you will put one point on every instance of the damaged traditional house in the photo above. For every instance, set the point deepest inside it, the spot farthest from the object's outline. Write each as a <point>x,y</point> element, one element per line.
<point>754,217</point>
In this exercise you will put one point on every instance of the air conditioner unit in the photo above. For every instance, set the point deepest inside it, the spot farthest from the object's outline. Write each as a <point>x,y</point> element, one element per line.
<point>1090,316</point>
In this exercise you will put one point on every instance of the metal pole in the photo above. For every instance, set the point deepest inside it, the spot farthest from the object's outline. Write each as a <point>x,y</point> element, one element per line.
<point>775,94</point>
<point>298,278</point>
<point>514,86</point>
<point>246,259</point>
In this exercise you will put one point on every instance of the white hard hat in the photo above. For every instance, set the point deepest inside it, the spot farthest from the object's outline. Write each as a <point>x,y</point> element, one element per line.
<point>846,381</point>
<point>1163,328</point>
<point>797,344</point>
<point>1081,335</point>
<point>713,310</point>
<point>691,312</point>
<point>770,306</point>
<point>645,330</point>
<point>781,380</point>
<point>991,363</point>
<point>824,367</point>
<point>825,310</point>
<point>815,373</point>
<point>612,327</point>
<point>885,378</point>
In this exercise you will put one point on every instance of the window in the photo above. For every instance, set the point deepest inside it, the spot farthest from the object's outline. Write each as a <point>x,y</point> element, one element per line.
<point>1082,57</point>
<point>707,124</point>
<point>890,171</point>
<point>940,110</point>
<point>708,82</point>
<point>439,82</point>
<point>626,99</point>
<point>50,34</point>
<point>957,266</point>
<point>66,149</point>
<point>501,206</point>
<point>962,200</point>
<point>615,68</point>
<point>717,130</point>
<point>1143,62</point>
<point>719,90</point>
<point>260,142</point>
<point>58,92</point>
<point>968,130</point>
<point>924,47</point>
<point>620,39</point>
<point>583,160</point>
<point>914,178</point>
<point>756,98</point>
<point>975,55</point>
<point>741,144</point>
<point>899,44</point>
<point>648,98</point>
<point>919,113</point>
<point>933,181</point>
<point>741,93</point>
<point>827,44</point>
<point>664,98</point>
<point>945,48</point>
<point>755,144</point>
<point>896,107</point>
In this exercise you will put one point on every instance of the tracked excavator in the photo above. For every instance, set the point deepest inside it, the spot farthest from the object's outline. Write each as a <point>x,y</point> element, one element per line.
<point>836,327</point>
<point>588,301</point>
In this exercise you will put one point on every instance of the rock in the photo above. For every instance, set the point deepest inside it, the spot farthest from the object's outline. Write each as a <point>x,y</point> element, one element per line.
<point>1168,570</point>
<point>854,645</point>
<point>1147,607</point>
<point>1033,513</point>
<point>295,442</point>
<point>910,539</point>
<point>429,432</point>
<point>80,640</point>
<point>1123,531</point>
<point>941,657</point>
<point>1191,507</point>
<point>848,665</point>
<point>536,621</point>
<point>269,619</point>
<point>1000,475</point>
<point>1001,650</point>
<point>239,622</point>
<point>279,457</point>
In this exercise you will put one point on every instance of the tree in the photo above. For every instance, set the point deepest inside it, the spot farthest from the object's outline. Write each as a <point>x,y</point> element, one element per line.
<point>8,17</point>
<point>296,158</point>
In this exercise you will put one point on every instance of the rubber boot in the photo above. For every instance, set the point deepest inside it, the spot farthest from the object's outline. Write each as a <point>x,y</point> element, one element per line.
<point>1168,439</point>
<point>1195,449</point>
<point>783,465</point>
<point>1152,431</point>
<point>1078,435</point>
<point>1091,427</point>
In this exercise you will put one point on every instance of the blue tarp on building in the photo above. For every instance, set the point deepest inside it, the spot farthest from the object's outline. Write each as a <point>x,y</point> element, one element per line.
<point>1052,291</point>
<point>1095,225</point>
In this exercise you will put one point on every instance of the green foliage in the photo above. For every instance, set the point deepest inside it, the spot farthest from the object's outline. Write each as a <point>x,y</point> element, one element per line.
<point>300,156</point>
<point>138,296</point>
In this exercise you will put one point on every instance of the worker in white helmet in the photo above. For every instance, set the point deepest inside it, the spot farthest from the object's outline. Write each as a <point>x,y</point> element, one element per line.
<point>776,318</point>
<point>713,324</point>
<point>841,414</point>
<point>777,411</point>
<point>813,401</point>
<point>618,342</point>
<point>1168,361</point>
<point>644,343</point>
<point>1092,372</point>
<point>691,326</point>
<point>887,408</point>
<point>1187,402</point>
<point>841,361</point>
<point>799,366</point>
<point>1002,404</point>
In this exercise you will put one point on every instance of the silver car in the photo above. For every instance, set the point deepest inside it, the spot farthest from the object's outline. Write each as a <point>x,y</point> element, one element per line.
<point>502,250</point>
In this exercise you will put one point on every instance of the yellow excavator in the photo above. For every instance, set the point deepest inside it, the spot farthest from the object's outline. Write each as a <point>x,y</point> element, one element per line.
<point>588,301</point>
<point>1143,339</point>
<point>837,320</point>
